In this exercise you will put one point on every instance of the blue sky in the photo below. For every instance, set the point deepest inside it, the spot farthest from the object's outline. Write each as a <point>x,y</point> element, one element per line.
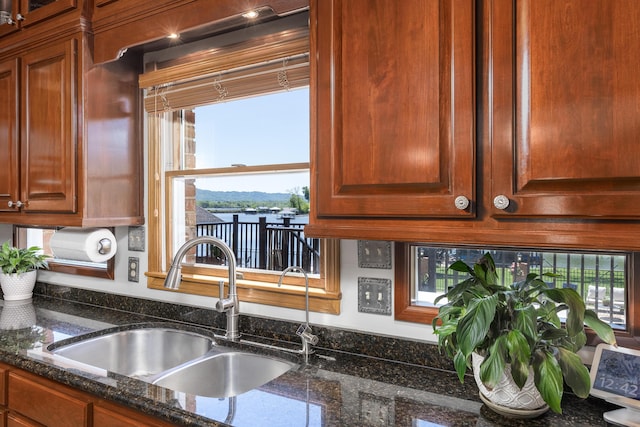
<point>254,131</point>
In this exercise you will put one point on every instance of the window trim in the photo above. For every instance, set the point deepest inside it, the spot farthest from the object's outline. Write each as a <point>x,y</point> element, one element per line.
<point>405,311</point>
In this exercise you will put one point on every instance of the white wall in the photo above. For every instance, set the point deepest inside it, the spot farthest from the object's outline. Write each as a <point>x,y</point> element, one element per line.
<point>349,318</point>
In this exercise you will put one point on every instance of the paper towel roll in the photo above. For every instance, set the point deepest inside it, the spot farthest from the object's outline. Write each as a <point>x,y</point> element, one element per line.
<point>84,244</point>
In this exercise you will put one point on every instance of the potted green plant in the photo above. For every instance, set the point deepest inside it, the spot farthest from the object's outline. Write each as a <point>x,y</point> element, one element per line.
<point>515,334</point>
<point>18,269</point>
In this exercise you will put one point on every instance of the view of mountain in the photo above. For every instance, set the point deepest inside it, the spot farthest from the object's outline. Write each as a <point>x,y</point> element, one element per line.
<point>240,196</point>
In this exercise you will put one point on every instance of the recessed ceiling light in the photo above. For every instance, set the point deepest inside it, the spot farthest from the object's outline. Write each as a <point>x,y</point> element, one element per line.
<point>173,36</point>
<point>252,14</point>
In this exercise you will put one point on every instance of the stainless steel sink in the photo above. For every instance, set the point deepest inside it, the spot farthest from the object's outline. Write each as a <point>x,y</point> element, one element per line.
<point>175,359</point>
<point>138,353</point>
<point>226,374</point>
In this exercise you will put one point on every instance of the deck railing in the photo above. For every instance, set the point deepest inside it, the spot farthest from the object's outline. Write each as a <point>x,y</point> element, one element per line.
<point>262,245</point>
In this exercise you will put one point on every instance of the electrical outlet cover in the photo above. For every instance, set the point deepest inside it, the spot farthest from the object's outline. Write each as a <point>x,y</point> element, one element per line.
<point>133,271</point>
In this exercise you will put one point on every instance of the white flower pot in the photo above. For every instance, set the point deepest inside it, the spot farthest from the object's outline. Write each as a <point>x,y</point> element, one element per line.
<point>18,286</point>
<point>507,395</point>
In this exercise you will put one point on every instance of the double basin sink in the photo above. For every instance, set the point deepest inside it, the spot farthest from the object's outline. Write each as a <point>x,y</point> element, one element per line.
<point>180,360</point>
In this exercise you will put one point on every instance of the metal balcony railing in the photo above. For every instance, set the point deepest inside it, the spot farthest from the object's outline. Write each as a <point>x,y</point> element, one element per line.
<point>262,245</point>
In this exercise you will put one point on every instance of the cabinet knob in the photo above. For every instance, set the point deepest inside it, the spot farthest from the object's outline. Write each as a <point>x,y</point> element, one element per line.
<point>461,202</point>
<point>19,17</point>
<point>501,202</point>
<point>17,204</point>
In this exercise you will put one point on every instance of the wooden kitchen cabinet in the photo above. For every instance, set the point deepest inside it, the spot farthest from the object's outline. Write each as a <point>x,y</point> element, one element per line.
<point>556,129</point>
<point>393,92</point>
<point>59,405</point>
<point>56,406</point>
<point>107,414</point>
<point>69,133</point>
<point>565,98</point>
<point>9,121</point>
<point>47,134</point>
<point>28,12</point>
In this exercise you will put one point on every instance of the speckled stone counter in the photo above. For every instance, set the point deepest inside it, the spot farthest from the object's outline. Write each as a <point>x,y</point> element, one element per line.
<point>353,379</point>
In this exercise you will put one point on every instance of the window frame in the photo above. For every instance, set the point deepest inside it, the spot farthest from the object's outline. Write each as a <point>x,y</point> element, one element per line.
<point>405,311</point>
<point>255,286</point>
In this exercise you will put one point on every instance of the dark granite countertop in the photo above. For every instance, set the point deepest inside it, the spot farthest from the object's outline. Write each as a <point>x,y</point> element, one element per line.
<point>337,387</point>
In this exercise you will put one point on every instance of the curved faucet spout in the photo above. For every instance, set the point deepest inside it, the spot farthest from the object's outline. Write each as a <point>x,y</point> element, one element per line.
<point>230,305</point>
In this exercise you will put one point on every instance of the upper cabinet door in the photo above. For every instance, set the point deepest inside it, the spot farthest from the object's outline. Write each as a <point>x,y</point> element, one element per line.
<point>564,104</point>
<point>393,108</point>
<point>33,11</point>
<point>49,132</point>
<point>9,134</point>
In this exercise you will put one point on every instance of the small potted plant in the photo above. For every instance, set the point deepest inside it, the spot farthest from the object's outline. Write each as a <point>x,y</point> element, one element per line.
<point>514,338</point>
<point>18,270</point>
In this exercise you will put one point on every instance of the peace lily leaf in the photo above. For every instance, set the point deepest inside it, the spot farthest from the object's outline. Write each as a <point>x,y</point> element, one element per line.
<point>461,267</point>
<point>603,330</point>
<point>575,316</point>
<point>460,363</point>
<point>473,327</point>
<point>580,341</point>
<point>553,334</point>
<point>526,322</point>
<point>548,379</point>
<point>575,373</point>
<point>493,365</point>
<point>480,272</point>
<point>519,355</point>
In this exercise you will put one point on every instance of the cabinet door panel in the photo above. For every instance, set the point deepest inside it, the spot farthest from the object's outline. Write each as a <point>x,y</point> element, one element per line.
<point>48,138</point>
<point>37,10</point>
<point>9,133</point>
<point>394,100</point>
<point>54,408</point>
<point>571,145</point>
<point>117,416</point>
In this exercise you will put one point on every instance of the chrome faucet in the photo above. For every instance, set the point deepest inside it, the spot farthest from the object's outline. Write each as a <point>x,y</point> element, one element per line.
<point>304,330</point>
<point>228,305</point>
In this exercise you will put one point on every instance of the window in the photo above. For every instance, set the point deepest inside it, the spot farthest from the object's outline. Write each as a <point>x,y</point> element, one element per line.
<point>603,279</point>
<point>228,135</point>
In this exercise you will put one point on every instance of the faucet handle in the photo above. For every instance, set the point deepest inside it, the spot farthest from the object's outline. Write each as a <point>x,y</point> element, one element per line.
<point>221,285</point>
<point>223,303</point>
<point>304,332</point>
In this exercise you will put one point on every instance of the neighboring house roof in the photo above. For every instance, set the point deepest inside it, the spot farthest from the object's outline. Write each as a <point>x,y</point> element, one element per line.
<point>203,216</point>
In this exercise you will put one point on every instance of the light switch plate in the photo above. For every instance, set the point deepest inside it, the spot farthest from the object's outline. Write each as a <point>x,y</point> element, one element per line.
<point>136,239</point>
<point>374,295</point>
<point>374,254</point>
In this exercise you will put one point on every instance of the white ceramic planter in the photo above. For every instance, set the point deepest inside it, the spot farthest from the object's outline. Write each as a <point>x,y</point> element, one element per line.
<point>18,286</point>
<point>507,394</point>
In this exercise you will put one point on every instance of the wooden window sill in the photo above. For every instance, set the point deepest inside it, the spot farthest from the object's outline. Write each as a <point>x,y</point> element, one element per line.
<point>290,296</point>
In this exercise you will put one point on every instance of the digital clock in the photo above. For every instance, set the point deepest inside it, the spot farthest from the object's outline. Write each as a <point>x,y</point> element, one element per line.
<point>615,377</point>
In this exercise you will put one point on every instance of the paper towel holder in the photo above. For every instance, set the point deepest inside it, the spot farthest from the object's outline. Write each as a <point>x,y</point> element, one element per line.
<point>104,246</point>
